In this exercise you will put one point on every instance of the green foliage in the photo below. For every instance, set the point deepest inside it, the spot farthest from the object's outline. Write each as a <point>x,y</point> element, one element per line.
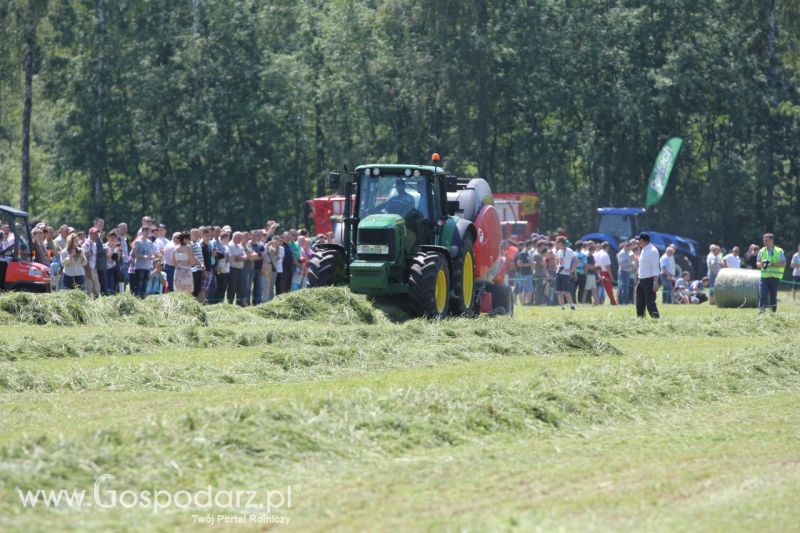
<point>234,112</point>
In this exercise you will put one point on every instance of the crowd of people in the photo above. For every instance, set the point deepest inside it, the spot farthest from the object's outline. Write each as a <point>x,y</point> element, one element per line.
<point>213,263</point>
<point>550,270</point>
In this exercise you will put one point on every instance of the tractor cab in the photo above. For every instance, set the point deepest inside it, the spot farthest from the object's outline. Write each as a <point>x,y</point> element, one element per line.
<point>17,271</point>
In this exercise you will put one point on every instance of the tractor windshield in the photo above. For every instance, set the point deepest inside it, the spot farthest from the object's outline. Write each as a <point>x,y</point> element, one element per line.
<point>394,194</point>
<point>619,226</point>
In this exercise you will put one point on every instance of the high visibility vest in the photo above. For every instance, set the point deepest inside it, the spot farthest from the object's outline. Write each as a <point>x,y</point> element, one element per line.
<point>775,258</point>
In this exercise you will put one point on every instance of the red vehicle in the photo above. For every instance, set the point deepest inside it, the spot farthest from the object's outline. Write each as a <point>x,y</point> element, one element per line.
<point>518,212</point>
<point>17,271</point>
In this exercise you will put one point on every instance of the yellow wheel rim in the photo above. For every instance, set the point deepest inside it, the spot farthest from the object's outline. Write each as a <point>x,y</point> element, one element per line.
<point>441,291</point>
<point>468,280</point>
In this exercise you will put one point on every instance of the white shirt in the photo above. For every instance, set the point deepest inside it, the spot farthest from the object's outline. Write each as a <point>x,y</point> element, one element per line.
<point>279,264</point>
<point>796,264</point>
<point>713,263</point>
<point>169,253</point>
<point>161,243</point>
<point>602,260</point>
<point>565,260</point>
<point>732,261</point>
<point>648,262</point>
<point>668,263</point>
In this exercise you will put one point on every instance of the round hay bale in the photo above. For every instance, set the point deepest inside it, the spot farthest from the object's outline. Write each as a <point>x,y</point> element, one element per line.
<point>737,287</point>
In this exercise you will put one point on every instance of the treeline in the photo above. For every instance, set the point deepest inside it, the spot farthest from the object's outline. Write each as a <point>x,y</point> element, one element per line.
<point>235,110</point>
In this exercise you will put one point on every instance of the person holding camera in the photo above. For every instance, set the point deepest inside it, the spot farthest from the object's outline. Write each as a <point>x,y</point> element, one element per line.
<point>73,261</point>
<point>771,261</point>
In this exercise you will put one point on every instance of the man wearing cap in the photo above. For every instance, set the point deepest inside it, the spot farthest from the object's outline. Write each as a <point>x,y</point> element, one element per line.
<point>771,261</point>
<point>647,282</point>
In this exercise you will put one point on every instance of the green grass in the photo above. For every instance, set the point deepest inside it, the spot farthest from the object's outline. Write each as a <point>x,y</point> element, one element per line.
<point>552,419</point>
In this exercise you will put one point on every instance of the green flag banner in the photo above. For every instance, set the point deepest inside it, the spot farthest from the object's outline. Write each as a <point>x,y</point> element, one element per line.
<point>661,170</point>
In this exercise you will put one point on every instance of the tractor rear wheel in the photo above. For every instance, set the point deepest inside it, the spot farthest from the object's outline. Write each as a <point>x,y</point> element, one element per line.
<point>429,285</point>
<point>463,281</point>
<point>325,268</point>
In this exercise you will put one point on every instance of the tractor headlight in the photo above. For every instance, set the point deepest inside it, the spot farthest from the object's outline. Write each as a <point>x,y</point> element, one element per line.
<point>373,249</point>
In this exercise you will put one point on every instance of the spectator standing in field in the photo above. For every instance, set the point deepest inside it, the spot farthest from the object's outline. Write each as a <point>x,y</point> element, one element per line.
<point>223,268</point>
<point>603,261</point>
<point>524,273</point>
<point>771,261</point>
<point>142,256</point>
<point>713,263</point>
<point>125,256</point>
<point>113,249</point>
<point>90,251</point>
<point>795,273</point>
<point>272,262</point>
<point>73,261</point>
<point>667,265</point>
<point>248,270</point>
<point>258,266</point>
<point>732,260</point>
<point>184,264</point>
<point>647,279</point>
<point>751,257</point>
<point>590,289</point>
<point>287,267</point>
<point>624,273</point>
<point>566,265</point>
<point>208,266</point>
<point>169,260</point>
<point>539,272</point>
<point>38,248</point>
<point>102,257</point>
<point>197,271</point>
<point>161,241</point>
<point>580,271</point>
<point>236,256</point>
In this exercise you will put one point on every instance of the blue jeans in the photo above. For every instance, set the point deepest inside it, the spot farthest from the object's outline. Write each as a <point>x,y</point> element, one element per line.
<point>170,270</point>
<point>246,286</point>
<point>258,285</point>
<point>666,289</point>
<point>768,294</point>
<point>624,287</point>
<point>141,275</point>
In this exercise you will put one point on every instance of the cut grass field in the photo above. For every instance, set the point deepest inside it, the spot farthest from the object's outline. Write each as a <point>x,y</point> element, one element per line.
<point>551,420</point>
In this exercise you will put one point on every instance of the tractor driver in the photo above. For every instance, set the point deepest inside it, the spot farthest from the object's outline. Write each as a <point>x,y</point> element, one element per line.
<point>400,204</point>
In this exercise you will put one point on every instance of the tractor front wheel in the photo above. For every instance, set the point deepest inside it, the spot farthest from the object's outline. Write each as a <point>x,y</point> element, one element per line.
<point>325,268</point>
<point>429,285</point>
<point>463,281</point>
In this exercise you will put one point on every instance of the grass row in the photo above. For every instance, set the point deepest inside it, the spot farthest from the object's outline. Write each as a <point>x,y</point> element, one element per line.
<point>389,422</point>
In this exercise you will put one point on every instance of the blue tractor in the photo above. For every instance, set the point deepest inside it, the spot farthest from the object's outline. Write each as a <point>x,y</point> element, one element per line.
<point>618,224</point>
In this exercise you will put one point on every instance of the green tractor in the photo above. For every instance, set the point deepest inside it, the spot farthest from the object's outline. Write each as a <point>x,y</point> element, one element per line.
<point>399,237</point>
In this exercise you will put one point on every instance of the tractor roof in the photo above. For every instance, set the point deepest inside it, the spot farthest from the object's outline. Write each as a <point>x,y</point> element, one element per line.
<point>13,212</point>
<point>621,210</point>
<point>421,168</point>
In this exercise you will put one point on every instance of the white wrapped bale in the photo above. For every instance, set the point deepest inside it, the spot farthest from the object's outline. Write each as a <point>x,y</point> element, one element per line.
<point>737,287</point>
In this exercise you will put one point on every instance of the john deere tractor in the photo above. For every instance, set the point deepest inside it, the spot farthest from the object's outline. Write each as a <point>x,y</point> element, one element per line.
<point>400,236</point>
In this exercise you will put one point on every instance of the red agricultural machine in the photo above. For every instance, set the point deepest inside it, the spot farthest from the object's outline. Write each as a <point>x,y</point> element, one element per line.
<point>17,271</point>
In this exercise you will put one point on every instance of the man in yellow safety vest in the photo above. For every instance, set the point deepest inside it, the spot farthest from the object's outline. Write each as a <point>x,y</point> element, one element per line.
<point>771,261</point>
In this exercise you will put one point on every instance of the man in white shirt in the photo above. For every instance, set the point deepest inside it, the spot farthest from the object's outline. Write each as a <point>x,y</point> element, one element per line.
<point>713,263</point>
<point>732,259</point>
<point>795,264</point>
<point>647,283</point>
<point>168,259</point>
<point>667,265</point>
<point>566,264</point>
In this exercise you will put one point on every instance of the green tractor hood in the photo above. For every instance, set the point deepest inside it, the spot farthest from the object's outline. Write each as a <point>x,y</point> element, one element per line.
<point>381,221</point>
